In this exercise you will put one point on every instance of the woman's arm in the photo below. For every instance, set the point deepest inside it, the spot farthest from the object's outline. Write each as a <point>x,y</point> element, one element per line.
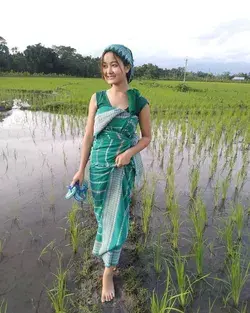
<point>89,134</point>
<point>145,125</point>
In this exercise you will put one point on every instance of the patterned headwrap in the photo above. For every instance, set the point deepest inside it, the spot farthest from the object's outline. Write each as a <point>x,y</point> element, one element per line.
<point>125,54</point>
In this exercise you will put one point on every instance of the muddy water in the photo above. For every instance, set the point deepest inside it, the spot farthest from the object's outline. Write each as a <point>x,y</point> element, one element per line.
<point>37,163</point>
<point>39,153</point>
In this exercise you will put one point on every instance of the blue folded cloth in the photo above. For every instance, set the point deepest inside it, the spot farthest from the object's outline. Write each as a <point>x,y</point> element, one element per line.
<point>79,192</point>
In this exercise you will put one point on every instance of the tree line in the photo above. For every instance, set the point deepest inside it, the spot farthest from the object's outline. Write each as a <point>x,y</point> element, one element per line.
<point>64,60</point>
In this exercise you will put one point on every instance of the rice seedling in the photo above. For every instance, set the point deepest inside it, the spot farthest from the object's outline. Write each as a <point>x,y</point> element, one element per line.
<point>243,308</point>
<point>1,248</point>
<point>3,306</point>
<point>74,227</point>
<point>194,181</point>
<point>167,303</point>
<point>183,281</point>
<point>158,255</point>
<point>198,248</point>
<point>198,217</point>
<point>238,219</point>
<point>46,249</point>
<point>213,165</point>
<point>174,217</point>
<point>225,185</point>
<point>236,276</point>
<point>210,306</point>
<point>241,177</point>
<point>216,194</point>
<point>59,295</point>
<point>148,203</point>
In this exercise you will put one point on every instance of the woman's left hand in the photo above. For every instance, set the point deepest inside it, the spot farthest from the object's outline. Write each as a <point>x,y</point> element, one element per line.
<point>123,159</point>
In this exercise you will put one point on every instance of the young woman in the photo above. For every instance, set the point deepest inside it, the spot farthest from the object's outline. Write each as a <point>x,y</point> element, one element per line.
<point>111,143</point>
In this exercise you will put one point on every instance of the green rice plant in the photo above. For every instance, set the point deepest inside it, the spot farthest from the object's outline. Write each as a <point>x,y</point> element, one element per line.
<point>241,177</point>
<point>210,306</point>
<point>170,194</point>
<point>226,233</point>
<point>238,218</point>
<point>216,194</point>
<point>243,308</point>
<point>3,306</point>
<point>167,303</point>
<point>236,276</point>
<point>59,295</point>
<point>184,285</point>
<point>1,247</point>
<point>198,215</point>
<point>74,227</point>
<point>148,203</point>
<point>46,249</point>
<point>198,248</point>
<point>158,255</point>
<point>194,181</point>
<point>225,185</point>
<point>174,217</point>
<point>213,165</point>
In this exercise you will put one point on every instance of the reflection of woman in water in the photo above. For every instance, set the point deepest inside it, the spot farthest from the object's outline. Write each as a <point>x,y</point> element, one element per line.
<point>111,142</point>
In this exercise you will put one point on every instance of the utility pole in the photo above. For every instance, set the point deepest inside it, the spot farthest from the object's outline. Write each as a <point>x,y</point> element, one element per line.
<point>185,69</point>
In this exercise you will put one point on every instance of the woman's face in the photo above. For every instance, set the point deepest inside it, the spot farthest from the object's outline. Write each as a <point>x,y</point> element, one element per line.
<point>114,71</point>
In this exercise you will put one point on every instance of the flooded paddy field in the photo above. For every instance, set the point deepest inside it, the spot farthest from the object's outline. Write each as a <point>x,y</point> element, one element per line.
<point>188,246</point>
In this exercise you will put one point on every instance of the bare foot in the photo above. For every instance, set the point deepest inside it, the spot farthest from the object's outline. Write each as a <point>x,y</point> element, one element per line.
<point>108,290</point>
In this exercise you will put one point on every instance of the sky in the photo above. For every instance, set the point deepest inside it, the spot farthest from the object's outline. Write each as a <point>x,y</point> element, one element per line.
<point>158,31</point>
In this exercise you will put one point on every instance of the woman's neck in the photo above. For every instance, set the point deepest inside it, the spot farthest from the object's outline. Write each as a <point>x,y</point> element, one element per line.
<point>123,87</point>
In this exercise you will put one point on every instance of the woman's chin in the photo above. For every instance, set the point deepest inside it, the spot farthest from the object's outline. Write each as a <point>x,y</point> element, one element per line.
<point>111,81</point>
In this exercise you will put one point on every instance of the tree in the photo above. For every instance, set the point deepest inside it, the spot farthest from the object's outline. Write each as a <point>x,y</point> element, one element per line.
<point>3,41</point>
<point>41,59</point>
<point>4,57</point>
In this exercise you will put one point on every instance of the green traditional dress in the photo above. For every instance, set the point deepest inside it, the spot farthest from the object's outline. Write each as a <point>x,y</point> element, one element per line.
<point>114,133</point>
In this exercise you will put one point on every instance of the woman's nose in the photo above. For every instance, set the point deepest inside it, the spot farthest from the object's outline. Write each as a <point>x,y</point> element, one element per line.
<point>109,69</point>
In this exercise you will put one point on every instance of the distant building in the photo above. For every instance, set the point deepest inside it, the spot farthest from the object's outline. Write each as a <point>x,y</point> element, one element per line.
<point>238,78</point>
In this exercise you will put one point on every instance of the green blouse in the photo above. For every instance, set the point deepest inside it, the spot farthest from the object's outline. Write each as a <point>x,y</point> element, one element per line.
<point>136,101</point>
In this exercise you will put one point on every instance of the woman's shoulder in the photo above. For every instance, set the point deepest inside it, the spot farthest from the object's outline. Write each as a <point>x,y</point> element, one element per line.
<point>100,97</point>
<point>139,100</point>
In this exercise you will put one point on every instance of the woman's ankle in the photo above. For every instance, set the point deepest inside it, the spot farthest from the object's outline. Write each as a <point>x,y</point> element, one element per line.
<point>109,270</point>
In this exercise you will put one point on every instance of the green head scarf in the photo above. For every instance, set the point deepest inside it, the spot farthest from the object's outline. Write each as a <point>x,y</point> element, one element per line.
<point>125,54</point>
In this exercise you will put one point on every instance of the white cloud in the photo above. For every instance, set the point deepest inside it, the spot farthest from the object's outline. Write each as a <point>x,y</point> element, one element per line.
<point>171,29</point>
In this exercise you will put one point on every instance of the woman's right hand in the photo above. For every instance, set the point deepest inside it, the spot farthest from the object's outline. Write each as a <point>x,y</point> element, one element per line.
<point>79,176</point>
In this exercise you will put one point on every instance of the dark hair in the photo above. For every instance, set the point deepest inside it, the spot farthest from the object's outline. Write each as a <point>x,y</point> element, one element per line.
<point>125,63</point>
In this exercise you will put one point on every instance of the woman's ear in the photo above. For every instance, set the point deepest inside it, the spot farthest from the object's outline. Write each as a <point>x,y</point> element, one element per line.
<point>127,68</point>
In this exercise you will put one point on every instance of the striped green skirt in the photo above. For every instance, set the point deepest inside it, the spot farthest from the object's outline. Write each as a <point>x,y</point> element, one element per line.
<point>112,187</point>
